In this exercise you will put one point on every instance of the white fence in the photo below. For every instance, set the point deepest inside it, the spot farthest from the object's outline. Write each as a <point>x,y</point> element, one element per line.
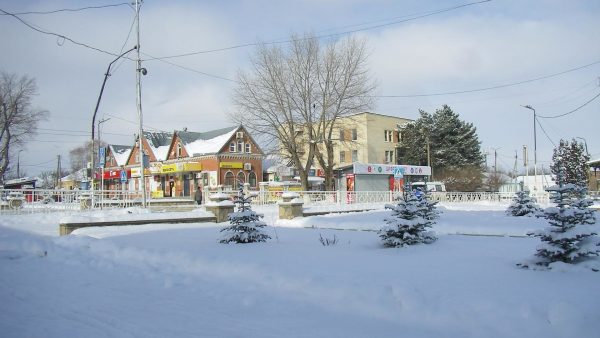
<point>41,200</point>
<point>47,200</point>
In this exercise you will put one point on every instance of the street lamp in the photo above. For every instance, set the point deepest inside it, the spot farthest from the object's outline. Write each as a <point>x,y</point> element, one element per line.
<point>19,163</point>
<point>585,143</point>
<point>534,146</point>
<point>106,75</point>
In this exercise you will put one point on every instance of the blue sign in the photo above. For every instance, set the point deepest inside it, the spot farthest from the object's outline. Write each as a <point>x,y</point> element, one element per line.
<point>123,176</point>
<point>398,172</point>
<point>101,156</point>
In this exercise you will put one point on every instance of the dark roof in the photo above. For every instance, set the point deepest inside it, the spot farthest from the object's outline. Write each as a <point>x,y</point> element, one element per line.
<point>190,136</point>
<point>158,139</point>
<point>119,149</point>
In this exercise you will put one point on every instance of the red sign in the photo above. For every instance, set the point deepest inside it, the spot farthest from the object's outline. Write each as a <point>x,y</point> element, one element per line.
<point>112,174</point>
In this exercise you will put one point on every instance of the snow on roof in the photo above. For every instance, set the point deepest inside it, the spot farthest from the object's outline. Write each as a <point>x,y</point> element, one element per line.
<point>120,153</point>
<point>206,143</point>
<point>159,143</point>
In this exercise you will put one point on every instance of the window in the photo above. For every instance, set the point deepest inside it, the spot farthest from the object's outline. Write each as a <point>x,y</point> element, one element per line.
<point>342,156</point>
<point>341,134</point>
<point>241,179</point>
<point>240,148</point>
<point>178,150</point>
<point>354,155</point>
<point>389,156</point>
<point>232,147</point>
<point>389,135</point>
<point>248,148</point>
<point>229,179</point>
<point>252,179</point>
<point>354,135</point>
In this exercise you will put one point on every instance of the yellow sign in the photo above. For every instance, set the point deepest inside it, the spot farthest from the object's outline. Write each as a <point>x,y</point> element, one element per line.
<point>135,172</point>
<point>180,167</point>
<point>169,168</point>
<point>231,165</point>
<point>192,166</point>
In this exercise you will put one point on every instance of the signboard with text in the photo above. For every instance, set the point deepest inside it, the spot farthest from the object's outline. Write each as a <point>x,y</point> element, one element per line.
<point>390,169</point>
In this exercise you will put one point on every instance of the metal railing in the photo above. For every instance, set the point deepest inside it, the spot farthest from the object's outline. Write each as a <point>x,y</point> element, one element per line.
<point>47,200</point>
<point>42,200</point>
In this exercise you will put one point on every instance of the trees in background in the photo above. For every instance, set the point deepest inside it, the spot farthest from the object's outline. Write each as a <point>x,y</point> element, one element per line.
<point>18,118</point>
<point>453,147</point>
<point>293,98</point>
<point>569,161</point>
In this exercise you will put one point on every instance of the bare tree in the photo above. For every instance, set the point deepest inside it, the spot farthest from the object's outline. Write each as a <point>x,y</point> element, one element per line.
<point>18,119</point>
<point>293,98</point>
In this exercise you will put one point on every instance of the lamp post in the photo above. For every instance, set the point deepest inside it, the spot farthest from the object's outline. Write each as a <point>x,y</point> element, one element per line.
<point>585,143</point>
<point>106,75</point>
<point>99,140</point>
<point>534,146</point>
<point>19,163</point>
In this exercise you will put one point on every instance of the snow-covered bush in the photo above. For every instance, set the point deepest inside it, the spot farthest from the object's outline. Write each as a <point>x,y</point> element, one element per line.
<point>245,224</point>
<point>523,205</point>
<point>409,222</point>
<point>572,235</point>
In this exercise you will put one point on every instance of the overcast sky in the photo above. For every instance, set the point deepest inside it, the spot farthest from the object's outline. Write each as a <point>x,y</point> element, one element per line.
<point>473,47</point>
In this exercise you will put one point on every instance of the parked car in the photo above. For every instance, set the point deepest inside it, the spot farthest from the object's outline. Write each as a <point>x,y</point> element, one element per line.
<point>429,186</point>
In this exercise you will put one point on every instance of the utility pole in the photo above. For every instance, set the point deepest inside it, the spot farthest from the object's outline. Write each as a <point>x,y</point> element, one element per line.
<point>57,182</point>
<point>534,146</point>
<point>138,73</point>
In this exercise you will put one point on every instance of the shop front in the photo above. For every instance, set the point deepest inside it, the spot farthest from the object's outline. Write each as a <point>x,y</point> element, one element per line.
<point>112,179</point>
<point>176,179</point>
<point>380,177</point>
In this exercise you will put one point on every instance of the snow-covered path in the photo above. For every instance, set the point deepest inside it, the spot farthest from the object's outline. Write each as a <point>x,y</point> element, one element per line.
<point>177,281</point>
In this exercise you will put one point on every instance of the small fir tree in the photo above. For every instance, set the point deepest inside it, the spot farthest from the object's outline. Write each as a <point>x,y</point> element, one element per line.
<point>571,236</point>
<point>245,224</point>
<point>523,205</point>
<point>409,222</point>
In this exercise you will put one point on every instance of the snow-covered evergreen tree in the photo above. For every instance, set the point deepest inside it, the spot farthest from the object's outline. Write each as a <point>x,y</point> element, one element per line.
<point>523,205</point>
<point>570,161</point>
<point>245,224</point>
<point>409,222</point>
<point>572,235</point>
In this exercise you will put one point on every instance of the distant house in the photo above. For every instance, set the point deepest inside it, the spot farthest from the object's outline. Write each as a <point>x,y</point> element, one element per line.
<point>115,162</point>
<point>180,162</point>
<point>76,180</point>
<point>226,157</point>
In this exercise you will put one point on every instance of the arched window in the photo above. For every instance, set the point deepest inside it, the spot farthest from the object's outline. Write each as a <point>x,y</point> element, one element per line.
<point>229,179</point>
<point>252,179</point>
<point>241,179</point>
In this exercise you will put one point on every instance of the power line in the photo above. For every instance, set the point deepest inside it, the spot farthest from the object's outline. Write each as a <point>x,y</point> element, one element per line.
<point>492,87</point>
<point>57,35</point>
<point>572,111</point>
<point>191,69</point>
<point>427,14</point>
<point>69,9</point>
<point>544,130</point>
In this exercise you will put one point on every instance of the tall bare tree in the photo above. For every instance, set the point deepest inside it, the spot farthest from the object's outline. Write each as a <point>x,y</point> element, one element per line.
<point>293,97</point>
<point>18,119</point>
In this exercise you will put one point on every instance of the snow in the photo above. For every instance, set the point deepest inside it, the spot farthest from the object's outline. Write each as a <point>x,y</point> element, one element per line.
<point>209,146</point>
<point>176,280</point>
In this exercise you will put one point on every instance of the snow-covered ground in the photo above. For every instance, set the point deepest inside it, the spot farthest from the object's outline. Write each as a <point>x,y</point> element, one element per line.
<point>176,280</point>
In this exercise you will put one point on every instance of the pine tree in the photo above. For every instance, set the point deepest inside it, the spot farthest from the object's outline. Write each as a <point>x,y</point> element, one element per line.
<point>570,161</point>
<point>571,236</point>
<point>523,205</point>
<point>245,224</point>
<point>409,222</point>
<point>454,148</point>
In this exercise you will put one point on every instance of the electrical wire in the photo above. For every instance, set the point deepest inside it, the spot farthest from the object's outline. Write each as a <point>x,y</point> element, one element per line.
<point>70,9</point>
<point>492,87</point>
<point>57,35</point>
<point>545,133</point>
<point>191,69</point>
<point>570,112</point>
<point>427,14</point>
